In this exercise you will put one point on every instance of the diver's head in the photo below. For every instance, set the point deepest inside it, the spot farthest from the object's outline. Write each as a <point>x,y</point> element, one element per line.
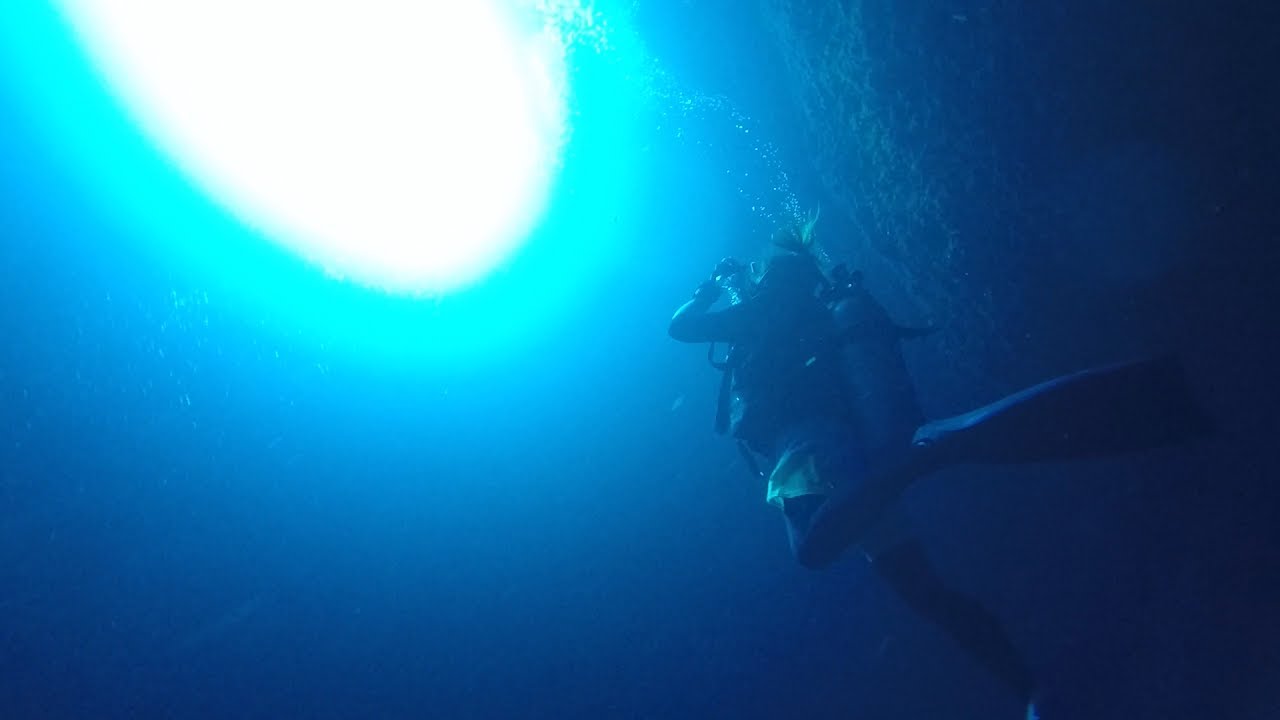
<point>791,274</point>
<point>794,271</point>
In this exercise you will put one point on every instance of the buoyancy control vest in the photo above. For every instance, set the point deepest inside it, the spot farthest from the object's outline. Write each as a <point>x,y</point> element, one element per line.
<point>835,358</point>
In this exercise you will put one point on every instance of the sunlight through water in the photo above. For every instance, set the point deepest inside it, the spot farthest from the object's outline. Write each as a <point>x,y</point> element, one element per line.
<point>402,145</point>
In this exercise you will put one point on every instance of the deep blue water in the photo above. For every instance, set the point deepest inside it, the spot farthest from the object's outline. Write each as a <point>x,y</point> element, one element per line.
<point>211,508</point>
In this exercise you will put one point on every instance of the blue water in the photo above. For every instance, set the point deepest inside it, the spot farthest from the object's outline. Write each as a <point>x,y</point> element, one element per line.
<point>231,488</point>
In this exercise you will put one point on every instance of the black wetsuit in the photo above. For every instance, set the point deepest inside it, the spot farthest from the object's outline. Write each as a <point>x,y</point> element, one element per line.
<point>789,392</point>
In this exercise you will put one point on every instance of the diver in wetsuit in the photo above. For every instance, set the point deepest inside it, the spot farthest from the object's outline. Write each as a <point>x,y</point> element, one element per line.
<point>790,406</point>
<point>790,403</point>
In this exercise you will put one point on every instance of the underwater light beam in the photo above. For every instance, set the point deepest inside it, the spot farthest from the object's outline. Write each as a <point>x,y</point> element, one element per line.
<point>404,145</point>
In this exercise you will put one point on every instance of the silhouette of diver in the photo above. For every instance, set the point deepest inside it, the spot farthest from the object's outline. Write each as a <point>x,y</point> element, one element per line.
<point>815,385</point>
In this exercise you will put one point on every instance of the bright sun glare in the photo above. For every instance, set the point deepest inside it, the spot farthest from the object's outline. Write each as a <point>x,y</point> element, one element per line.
<point>403,144</point>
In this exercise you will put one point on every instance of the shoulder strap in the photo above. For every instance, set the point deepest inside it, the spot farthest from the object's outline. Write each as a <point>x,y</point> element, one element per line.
<point>726,386</point>
<point>753,464</point>
<point>723,399</point>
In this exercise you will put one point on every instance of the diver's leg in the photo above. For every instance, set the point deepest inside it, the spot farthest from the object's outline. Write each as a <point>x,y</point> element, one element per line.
<point>850,515</point>
<point>799,512</point>
<point>821,462</point>
<point>908,571</point>
<point>1122,408</point>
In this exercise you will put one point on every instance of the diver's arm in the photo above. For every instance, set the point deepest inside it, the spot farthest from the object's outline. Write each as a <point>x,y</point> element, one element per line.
<point>694,323</point>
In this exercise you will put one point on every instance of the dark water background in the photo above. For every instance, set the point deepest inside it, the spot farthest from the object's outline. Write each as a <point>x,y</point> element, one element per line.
<point>205,512</point>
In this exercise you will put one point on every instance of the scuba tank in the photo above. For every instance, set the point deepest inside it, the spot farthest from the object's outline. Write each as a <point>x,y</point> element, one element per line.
<point>883,399</point>
<point>880,392</point>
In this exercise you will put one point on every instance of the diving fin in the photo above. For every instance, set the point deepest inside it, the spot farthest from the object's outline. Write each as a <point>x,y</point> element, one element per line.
<point>1093,413</point>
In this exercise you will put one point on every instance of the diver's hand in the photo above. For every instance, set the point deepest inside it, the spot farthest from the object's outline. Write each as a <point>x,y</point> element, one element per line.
<point>708,291</point>
<point>726,267</point>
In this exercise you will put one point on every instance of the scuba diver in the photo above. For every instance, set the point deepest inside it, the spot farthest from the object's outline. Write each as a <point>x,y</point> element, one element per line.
<point>816,392</point>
